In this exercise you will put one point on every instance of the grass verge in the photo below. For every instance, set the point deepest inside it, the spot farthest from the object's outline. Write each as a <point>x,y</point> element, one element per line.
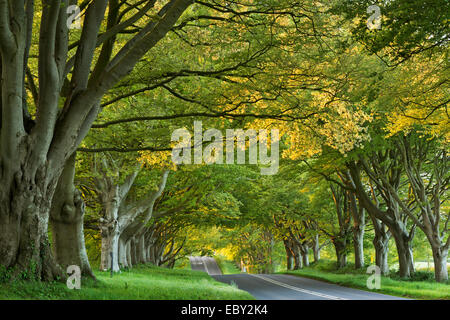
<point>140,283</point>
<point>421,286</point>
<point>227,266</point>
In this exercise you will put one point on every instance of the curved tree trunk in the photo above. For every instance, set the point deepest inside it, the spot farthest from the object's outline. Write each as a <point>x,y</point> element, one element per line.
<point>289,255</point>
<point>391,217</point>
<point>132,220</point>
<point>359,223</point>
<point>123,262</point>
<point>32,156</point>
<point>290,261</point>
<point>24,244</point>
<point>25,202</point>
<point>404,250</point>
<point>297,259</point>
<point>133,251</point>
<point>141,252</point>
<point>358,246</point>
<point>109,227</point>
<point>381,245</point>
<point>340,247</point>
<point>305,254</point>
<point>440,257</point>
<point>316,248</point>
<point>66,219</point>
<point>114,216</point>
<point>128,253</point>
<point>110,245</point>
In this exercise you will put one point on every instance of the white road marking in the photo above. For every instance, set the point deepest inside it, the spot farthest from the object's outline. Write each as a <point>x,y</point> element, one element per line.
<point>281,284</point>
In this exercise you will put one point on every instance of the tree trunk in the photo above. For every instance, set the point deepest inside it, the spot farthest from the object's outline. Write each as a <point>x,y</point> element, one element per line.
<point>128,251</point>
<point>31,160</point>
<point>316,248</point>
<point>340,247</point>
<point>297,259</point>
<point>290,262</point>
<point>305,256</point>
<point>341,259</point>
<point>110,229</point>
<point>404,250</point>
<point>440,257</point>
<point>359,223</point>
<point>151,254</point>
<point>358,245</point>
<point>141,252</point>
<point>289,255</point>
<point>123,262</point>
<point>66,219</point>
<point>24,214</point>
<point>110,244</point>
<point>381,245</point>
<point>133,251</point>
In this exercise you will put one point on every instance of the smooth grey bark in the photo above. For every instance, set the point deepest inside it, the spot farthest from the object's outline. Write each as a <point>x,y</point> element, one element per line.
<point>33,154</point>
<point>392,217</point>
<point>141,253</point>
<point>110,245</point>
<point>290,262</point>
<point>128,254</point>
<point>138,215</point>
<point>429,185</point>
<point>109,227</point>
<point>114,218</point>
<point>289,255</point>
<point>381,245</point>
<point>359,220</point>
<point>359,223</point>
<point>133,249</point>
<point>66,220</point>
<point>304,249</point>
<point>340,247</point>
<point>28,183</point>
<point>123,261</point>
<point>298,259</point>
<point>299,243</point>
<point>161,248</point>
<point>316,248</point>
<point>403,242</point>
<point>340,238</point>
<point>440,257</point>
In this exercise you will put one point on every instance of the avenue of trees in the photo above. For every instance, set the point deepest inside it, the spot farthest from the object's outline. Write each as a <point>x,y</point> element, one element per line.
<point>87,116</point>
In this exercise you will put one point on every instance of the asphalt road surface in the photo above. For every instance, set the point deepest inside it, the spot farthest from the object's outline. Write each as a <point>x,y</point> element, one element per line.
<point>285,287</point>
<point>206,264</point>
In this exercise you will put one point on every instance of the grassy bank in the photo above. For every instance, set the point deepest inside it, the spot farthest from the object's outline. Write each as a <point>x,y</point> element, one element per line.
<point>141,283</point>
<point>227,266</point>
<point>421,286</point>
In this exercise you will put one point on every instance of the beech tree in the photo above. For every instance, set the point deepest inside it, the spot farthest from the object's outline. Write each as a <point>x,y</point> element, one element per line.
<point>35,150</point>
<point>132,248</point>
<point>123,217</point>
<point>383,170</point>
<point>426,166</point>
<point>75,70</point>
<point>67,222</point>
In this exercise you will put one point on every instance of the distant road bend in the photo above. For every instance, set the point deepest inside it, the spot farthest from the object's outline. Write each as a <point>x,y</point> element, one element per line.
<point>284,287</point>
<point>206,264</point>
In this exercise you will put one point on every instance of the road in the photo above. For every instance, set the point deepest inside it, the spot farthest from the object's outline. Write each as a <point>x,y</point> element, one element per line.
<point>206,264</point>
<point>285,287</point>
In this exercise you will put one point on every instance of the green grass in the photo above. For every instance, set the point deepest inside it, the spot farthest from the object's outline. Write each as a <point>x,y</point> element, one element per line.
<point>227,266</point>
<point>421,286</point>
<point>140,283</point>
